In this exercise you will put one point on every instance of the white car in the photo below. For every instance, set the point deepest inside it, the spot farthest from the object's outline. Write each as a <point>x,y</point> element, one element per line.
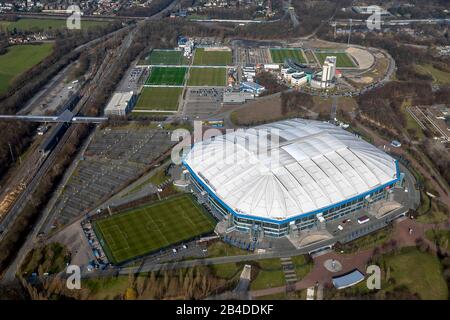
<point>340,227</point>
<point>174,250</point>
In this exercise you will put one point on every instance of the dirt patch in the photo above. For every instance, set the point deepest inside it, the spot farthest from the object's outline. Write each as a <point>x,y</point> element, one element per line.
<point>364,58</point>
<point>260,110</point>
<point>323,105</point>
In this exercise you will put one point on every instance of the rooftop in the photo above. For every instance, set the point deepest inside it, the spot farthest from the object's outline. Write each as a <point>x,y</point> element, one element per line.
<point>289,168</point>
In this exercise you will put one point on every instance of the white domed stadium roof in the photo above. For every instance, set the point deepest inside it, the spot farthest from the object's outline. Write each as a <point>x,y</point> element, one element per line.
<point>290,168</point>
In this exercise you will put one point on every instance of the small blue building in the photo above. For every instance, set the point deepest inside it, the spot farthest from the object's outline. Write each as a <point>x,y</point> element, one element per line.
<point>252,87</point>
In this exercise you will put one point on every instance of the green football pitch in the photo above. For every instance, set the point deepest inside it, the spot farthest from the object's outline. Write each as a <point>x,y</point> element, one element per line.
<point>20,58</point>
<point>169,57</point>
<point>342,59</point>
<point>146,229</point>
<point>212,58</point>
<point>279,55</point>
<point>169,76</point>
<point>207,77</point>
<point>159,98</point>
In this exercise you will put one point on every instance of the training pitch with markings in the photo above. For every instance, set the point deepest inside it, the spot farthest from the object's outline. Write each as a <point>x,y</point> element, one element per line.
<point>280,55</point>
<point>170,76</point>
<point>139,231</point>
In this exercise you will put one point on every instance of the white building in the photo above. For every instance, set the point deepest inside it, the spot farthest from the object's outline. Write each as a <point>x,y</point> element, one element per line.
<point>271,66</point>
<point>329,69</point>
<point>120,104</point>
<point>188,48</point>
<point>314,171</point>
<point>299,79</point>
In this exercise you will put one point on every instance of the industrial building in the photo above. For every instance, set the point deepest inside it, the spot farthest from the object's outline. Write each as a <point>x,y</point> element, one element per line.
<point>252,87</point>
<point>233,97</point>
<point>288,176</point>
<point>120,104</point>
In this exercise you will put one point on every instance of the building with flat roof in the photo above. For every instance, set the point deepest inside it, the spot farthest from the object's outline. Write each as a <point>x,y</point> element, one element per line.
<point>288,175</point>
<point>252,87</point>
<point>233,97</point>
<point>120,104</point>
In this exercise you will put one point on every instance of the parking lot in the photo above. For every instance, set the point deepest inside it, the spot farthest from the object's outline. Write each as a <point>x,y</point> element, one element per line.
<point>133,79</point>
<point>115,157</point>
<point>201,103</point>
<point>253,56</point>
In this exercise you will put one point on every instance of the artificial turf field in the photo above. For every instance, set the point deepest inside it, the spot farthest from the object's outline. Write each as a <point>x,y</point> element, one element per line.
<point>279,55</point>
<point>146,229</point>
<point>20,58</point>
<point>170,76</point>
<point>159,98</point>
<point>211,58</point>
<point>169,57</point>
<point>342,59</point>
<point>207,77</point>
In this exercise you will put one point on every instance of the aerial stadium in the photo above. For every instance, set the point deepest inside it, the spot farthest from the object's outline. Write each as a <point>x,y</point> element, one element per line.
<point>288,175</point>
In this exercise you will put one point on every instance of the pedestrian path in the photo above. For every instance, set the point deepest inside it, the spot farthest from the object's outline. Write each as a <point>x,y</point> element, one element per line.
<point>289,273</point>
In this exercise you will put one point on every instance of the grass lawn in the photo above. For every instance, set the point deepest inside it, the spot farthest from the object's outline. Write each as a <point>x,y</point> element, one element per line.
<point>169,57</point>
<point>270,275</point>
<point>104,288</point>
<point>412,126</point>
<point>146,229</point>
<point>226,270</point>
<point>52,259</point>
<point>212,58</point>
<point>435,214</point>
<point>33,24</point>
<point>302,266</point>
<point>207,77</point>
<point>171,76</point>
<point>371,240</point>
<point>222,249</point>
<point>418,271</point>
<point>342,59</point>
<point>19,59</point>
<point>440,236</point>
<point>439,76</point>
<point>157,178</point>
<point>159,98</point>
<point>279,55</point>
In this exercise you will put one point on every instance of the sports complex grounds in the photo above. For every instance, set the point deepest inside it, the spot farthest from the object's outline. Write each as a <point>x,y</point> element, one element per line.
<point>171,73</point>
